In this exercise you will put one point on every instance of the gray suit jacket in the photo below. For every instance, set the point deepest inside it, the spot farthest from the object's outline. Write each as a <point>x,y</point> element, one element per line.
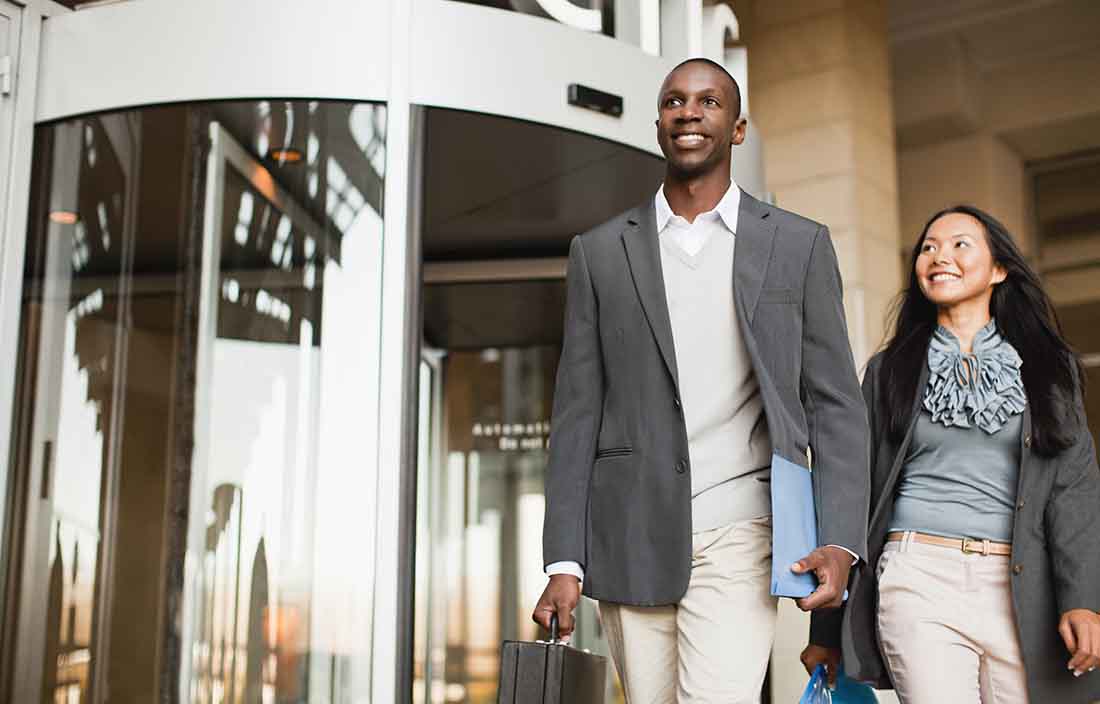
<point>618,485</point>
<point>1056,563</point>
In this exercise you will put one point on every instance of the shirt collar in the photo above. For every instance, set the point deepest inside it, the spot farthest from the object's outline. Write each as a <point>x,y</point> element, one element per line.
<point>727,208</point>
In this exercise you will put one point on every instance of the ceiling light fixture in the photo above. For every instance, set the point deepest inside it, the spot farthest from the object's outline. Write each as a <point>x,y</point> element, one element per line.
<point>64,217</point>
<point>285,155</point>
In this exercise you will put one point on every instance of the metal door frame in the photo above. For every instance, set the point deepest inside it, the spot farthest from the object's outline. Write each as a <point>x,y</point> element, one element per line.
<point>29,16</point>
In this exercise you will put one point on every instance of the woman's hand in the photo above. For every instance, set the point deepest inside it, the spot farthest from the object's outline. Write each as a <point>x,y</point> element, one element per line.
<point>815,655</point>
<point>1080,629</point>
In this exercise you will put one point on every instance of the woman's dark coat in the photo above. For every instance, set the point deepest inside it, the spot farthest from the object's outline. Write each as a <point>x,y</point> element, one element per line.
<point>1055,556</point>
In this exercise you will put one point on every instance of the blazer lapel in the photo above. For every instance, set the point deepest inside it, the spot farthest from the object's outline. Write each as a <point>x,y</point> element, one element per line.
<point>755,238</point>
<point>644,257</point>
<point>1025,446</point>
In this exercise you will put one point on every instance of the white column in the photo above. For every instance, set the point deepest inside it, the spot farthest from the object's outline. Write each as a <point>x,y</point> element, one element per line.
<point>392,397</point>
<point>681,29</point>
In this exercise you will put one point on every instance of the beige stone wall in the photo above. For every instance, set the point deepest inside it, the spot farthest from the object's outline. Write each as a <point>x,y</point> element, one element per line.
<point>982,100</point>
<point>820,80</point>
<point>949,148</point>
<point>978,169</point>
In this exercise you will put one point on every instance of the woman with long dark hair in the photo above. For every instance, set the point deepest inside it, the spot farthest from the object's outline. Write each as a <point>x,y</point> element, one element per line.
<point>985,504</point>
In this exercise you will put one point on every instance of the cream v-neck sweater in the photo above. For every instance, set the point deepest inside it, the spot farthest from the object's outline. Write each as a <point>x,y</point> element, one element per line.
<point>728,442</point>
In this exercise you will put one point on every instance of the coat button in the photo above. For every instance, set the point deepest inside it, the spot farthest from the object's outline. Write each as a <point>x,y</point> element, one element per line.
<point>1027,441</point>
<point>681,466</point>
<point>1020,505</point>
<point>1017,569</point>
<point>676,402</point>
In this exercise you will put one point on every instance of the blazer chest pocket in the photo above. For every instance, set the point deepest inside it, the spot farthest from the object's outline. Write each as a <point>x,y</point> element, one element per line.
<point>779,295</point>
<point>777,326</point>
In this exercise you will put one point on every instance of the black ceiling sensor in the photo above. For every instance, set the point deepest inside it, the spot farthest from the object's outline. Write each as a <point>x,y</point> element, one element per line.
<point>592,99</point>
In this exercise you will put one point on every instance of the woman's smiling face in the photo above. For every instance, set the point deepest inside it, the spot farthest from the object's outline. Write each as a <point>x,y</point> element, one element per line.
<point>955,264</point>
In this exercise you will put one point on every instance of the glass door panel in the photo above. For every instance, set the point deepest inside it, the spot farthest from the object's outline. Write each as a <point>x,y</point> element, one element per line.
<point>78,310</point>
<point>280,591</point>
<point>493,299</point>
<point>194,464</point>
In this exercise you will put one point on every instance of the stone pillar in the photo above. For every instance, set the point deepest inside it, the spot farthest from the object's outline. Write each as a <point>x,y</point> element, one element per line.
<point>819,73</point>
<point>978,169</point>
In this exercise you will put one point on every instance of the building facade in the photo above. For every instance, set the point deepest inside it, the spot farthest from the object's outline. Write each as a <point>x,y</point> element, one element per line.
<point>281,288</point>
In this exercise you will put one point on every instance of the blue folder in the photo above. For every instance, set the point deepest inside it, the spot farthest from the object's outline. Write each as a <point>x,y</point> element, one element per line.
<point>794,527</point>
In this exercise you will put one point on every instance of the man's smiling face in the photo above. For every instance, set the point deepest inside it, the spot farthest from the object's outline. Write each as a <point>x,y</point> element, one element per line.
<point>698,119</point>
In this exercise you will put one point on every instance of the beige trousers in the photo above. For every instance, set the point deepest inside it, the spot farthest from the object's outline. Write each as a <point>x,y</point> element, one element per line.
<point>712,647</point>
<point>947,627</point>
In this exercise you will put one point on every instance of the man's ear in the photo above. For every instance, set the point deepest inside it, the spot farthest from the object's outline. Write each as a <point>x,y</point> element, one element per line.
<point>740,127</point>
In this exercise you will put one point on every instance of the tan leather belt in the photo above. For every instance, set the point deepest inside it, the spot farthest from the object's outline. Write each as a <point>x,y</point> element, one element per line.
<point>967,545</point>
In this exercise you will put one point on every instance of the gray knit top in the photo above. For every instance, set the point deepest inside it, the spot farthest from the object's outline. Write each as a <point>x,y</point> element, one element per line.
<point>960,472</point>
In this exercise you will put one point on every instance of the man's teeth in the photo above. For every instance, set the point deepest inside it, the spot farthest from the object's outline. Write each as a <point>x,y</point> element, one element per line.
<point>690,138</point>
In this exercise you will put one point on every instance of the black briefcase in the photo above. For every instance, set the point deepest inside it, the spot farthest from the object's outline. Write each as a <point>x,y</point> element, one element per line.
<point>550,673</point>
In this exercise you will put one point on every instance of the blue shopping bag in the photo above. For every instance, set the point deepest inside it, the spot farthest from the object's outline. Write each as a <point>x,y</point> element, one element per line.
<point>849,691</point>
<point>817,689</point>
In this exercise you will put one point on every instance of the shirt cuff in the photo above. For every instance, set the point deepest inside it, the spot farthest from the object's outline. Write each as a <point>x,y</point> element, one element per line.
<point>855,557</point>
<point>566,567</point>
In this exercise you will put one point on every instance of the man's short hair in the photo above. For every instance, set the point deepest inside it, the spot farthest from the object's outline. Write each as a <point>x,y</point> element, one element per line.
<point>715,65</point>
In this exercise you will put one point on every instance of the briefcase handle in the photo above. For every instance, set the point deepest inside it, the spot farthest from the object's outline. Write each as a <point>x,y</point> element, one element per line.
<point>554,627</point>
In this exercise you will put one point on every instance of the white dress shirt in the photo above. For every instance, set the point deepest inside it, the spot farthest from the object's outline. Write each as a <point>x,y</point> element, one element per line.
<point>692,236</point>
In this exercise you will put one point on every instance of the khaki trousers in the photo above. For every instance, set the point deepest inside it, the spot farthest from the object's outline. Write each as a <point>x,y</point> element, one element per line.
<point>713,646</point>
<point>947,627</point>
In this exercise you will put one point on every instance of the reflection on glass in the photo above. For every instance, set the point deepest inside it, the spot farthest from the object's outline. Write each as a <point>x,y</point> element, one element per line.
<point>196,434</point>
<point>78,460</point>
<point>288,352</point>
<point>81,335</point>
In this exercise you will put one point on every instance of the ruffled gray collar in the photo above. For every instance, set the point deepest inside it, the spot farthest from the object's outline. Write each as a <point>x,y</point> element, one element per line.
<point>983,388</point>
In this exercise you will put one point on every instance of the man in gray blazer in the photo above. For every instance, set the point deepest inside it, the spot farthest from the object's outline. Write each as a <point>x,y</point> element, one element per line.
<point>704,338</point>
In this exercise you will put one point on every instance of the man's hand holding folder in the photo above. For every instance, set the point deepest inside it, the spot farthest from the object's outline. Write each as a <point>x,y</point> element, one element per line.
<point>816,577</point>
<point>830,565</point>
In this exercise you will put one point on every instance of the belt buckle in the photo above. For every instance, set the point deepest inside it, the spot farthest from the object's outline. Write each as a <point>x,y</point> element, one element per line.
<point>969,550</point>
